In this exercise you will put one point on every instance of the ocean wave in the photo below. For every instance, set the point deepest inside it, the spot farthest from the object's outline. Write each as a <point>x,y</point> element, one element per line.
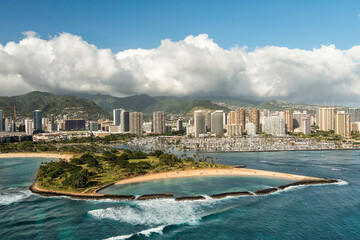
<point>155,212</point>
<point>13,195</point>
<point>146,233</point>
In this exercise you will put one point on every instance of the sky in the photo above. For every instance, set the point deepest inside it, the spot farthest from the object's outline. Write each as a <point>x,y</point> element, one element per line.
<point>293,50</point>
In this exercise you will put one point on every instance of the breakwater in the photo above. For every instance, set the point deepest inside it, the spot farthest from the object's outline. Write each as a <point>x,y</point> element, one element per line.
<point>97,196</point>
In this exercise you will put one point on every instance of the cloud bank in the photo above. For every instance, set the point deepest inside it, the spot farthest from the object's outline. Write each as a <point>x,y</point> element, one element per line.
<point>193,66</point>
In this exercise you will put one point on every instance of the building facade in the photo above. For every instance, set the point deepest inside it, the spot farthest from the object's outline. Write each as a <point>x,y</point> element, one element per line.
<point>326,119</point>
<point>289,120</point>
<point>136,122</point>
<point>37,121</point>
<point>159,122</point>
<point>199,122</point>
<point>117,117</point>
<point>217,122</point>
<point>254,117</point>
<point>125,121</point>
<point>342,124</point>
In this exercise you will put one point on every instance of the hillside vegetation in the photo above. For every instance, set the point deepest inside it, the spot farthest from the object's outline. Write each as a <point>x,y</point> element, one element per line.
<point>51,104</point>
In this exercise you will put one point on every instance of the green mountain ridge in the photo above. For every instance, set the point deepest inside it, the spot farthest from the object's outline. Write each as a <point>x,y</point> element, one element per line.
<point>147,104</point>
<point>51,104</point>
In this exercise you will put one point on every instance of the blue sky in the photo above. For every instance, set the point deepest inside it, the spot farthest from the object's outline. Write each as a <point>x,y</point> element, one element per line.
<point>125,24</point>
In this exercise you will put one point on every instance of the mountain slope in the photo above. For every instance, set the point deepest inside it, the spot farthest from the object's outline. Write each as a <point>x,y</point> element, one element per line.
<point>51,104</point>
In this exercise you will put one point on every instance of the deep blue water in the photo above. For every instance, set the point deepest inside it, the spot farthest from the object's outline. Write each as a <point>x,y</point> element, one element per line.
<point>311,212</point>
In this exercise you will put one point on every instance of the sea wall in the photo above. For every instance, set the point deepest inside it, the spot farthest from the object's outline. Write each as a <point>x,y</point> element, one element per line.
<point>97,196</point>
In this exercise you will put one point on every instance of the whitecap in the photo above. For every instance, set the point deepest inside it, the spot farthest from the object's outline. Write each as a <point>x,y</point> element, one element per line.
<point>155,212</point>
<point>10,196</point>
<point>146,233</point>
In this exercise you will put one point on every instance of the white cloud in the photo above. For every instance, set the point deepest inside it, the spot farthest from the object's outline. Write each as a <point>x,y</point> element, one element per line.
<point>193,66</point>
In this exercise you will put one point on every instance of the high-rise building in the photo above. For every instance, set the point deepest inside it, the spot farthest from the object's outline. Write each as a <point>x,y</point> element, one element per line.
<point>241,117</point>
<point>74,124</point>
<point>306,125</point>
<point>93,126</point>
<point>1,121</point>
<point>250,129</point>
<point>342,124</point>
<point>233,117</point>
<point>117,117</point>
<point>289,120</point>
<point>234,130</point>
<point>159,122</point>
<point>208,121</point>
<point>355,127</point>
<point>274,125</point>
<point>217,121</point>
<point>254,117</point>
<point>354,114</point>
<point>125,121</point>
<point>297,116</point>
<point>29,129</point>
<point>37,121</point>
<point>179,125</point>
<point>199,122</point>
<point>136,121</point>
<point>326,118</point>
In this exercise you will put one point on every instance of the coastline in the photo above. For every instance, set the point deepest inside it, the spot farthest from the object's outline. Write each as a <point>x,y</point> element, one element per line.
<point>94,195</point>
<point>214,172</point>
<point>36,155</point>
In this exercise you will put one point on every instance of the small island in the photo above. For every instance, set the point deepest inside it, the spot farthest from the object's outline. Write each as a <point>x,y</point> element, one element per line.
<point>82,176</point>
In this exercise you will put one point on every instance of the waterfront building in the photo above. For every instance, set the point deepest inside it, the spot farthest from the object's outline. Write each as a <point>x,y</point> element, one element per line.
<point>199,122</point>
<point>225,118</point>
<point>159,122</point>
<point>74,124</point>
<point>250,129</point>
<point>326,118</point>
<point>29,126</point>
<point>179,125</point>
<point>136,121</point>
<point>217,122</point>
<point>289,120</point>
<point>125,121</point>
<point>37,121</point>
<point>306,125</point>
<point>342,124</point>
<point>148,127</point>
<point>254,117</point>
<point>274,125</point>
<point>233,117</point>
<point>190,130</point>
<point>114,129</point>
<point>297,116</point>
<point>1,121</point>
<point>354,114</point>
<point>234,130</point>
<point>93,126</point>
<point>355,127</point>
<point>117,116</point>
<point>208,121</point>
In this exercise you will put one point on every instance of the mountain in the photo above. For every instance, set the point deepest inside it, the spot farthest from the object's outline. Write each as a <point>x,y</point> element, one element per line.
<point>147,104</point>
<point>51,104</point>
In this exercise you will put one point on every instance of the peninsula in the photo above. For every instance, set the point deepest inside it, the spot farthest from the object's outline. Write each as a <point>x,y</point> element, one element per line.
<point>82,177</point>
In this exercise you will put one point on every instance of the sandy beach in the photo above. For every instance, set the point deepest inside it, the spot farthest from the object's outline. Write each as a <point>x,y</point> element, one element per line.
<point>213,172</point>
<point>36,155</point>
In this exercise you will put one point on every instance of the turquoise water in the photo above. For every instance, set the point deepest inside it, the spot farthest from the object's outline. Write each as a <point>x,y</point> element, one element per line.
<point>311,212</point>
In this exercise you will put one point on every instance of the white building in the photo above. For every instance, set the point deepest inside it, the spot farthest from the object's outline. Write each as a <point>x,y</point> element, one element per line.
<point>250,129</point>
<point>274,125</point>
<point>29,126</point>
<point>306,125</point>
<point>217,119</point>
<point>199,122</point>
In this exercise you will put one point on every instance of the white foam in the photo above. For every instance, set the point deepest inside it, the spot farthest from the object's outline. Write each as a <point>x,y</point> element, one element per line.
<point>146,232</point>
<point>9,197</point>
<point>155,212</point>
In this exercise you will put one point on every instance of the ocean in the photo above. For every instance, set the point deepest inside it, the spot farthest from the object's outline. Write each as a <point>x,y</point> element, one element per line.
<point>329,211</point>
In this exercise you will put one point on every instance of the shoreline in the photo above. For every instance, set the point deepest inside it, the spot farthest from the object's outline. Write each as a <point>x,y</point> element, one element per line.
<point>298,180</point>
<point>213,172</point>
<point>36,155</point>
